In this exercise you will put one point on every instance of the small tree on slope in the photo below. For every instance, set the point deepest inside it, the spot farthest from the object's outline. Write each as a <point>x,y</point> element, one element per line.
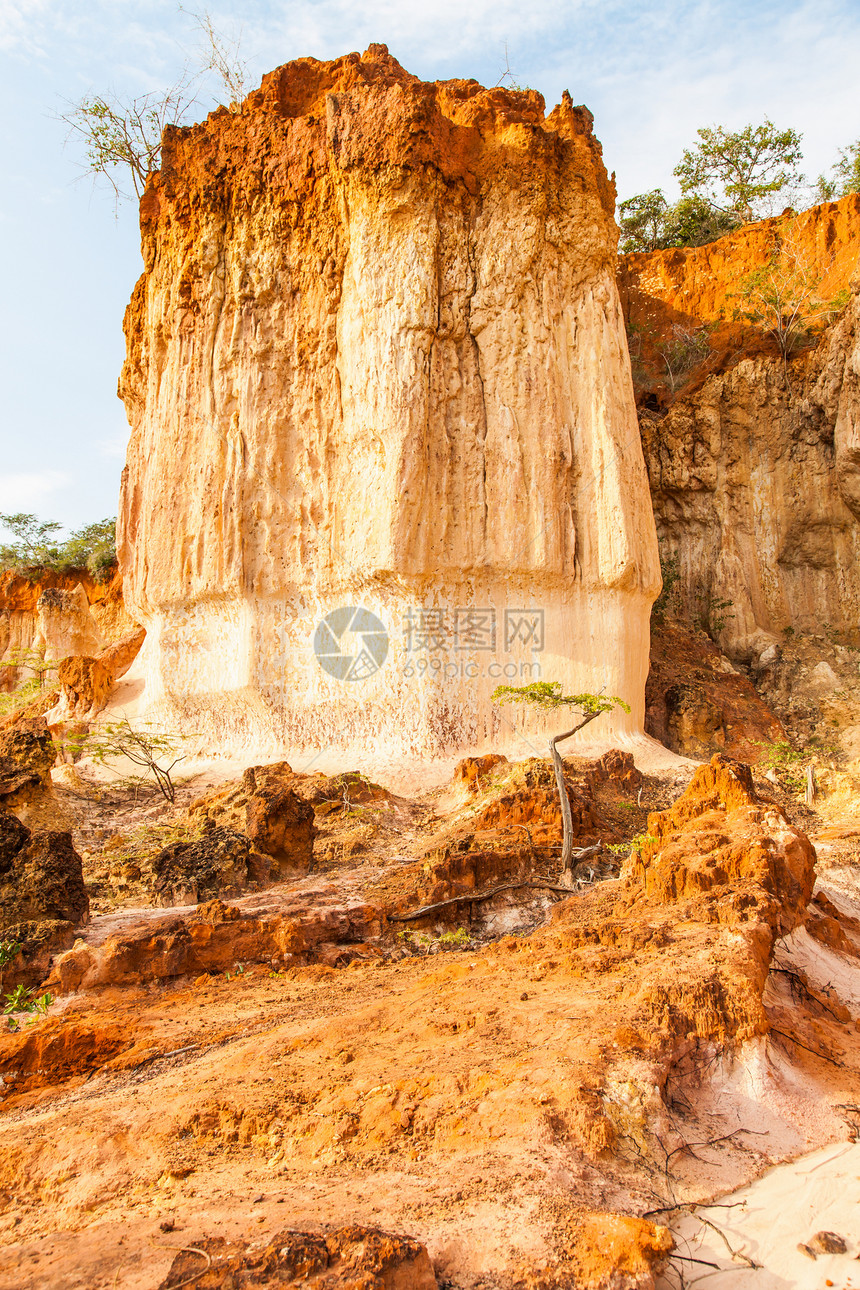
<point>548,696</point>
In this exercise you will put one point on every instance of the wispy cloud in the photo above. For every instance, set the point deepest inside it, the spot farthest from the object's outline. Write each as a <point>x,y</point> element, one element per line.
<point>21,26</point>
<point>114,446</point>
<point>25,492</point>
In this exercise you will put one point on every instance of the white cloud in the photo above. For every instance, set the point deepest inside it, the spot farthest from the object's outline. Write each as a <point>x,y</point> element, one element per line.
<point>114,446</point>
<point>21,26</point>
<point>28,491</point>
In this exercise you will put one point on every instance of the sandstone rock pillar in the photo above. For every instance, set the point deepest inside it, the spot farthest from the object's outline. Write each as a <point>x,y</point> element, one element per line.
<point>377,363</point>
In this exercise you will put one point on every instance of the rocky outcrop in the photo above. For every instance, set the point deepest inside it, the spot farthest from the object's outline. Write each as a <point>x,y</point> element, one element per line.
<point>57,615</point>
<point>86,683</point>
<point>733,853</point>
<point>361,286</point>
<point>221,863</point>
<point>64,624</point>
<point>697,704</point>
<point>27,753</point>
<point>754,465</point>
<point>270,808</point>
<point>42,897</point>
<point>341,1259</point>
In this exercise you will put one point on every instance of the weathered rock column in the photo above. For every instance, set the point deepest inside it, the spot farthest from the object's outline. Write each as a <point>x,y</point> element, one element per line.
<point>376,359</point>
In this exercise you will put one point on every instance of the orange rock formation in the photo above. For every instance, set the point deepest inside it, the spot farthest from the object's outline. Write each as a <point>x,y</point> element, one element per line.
<point>755,465</point>
<point>376,358</point>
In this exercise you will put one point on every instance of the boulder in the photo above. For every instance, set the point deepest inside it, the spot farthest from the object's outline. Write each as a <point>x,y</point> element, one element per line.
<point>278,822</point>
<point>220,863</point>
<point>274,809</point>
<point>42,897</point>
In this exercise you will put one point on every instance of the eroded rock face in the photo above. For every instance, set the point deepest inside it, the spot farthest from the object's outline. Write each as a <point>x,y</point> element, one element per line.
<point>221,863</point>
<point>266,808</point>
<point>697,704</point>
<point>65,624</point>
<point>86,683</point>
<point>722,843</point>
<point>755,469</point>
<point>42,897</point>
<point>27,753</point>
<point>379,340</point>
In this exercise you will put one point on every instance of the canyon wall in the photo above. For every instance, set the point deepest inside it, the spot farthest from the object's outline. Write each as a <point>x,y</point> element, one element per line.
<point>384,450</point>
<point>56,615</point>
<point>754,463</point>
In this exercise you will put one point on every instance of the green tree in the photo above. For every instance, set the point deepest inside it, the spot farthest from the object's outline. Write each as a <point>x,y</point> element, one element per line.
<point>846,175</point>
<point>733,170</point>
<point>783,297</point>
<point>92,547</point>
<point>649,223</point>
<point>642,220</point>
<point>693,221</point>
<point>33,545</point>
<point>548,696</point>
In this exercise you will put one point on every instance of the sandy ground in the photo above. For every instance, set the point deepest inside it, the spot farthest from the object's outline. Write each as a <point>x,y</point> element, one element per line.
<point>767,1221</point>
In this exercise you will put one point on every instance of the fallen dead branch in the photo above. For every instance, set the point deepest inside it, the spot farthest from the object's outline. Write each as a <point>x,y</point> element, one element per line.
<point>735,1254</point>
<point>469,896</point>
<point>801,986</point>
<point>815,1053</point>
<point>186,1249</point>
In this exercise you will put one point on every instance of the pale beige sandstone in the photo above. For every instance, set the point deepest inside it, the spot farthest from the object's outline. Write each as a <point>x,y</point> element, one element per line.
<point>64,624</point>
<point>377,358</point>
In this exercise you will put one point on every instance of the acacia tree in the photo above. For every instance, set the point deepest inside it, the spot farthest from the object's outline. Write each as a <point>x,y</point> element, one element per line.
<point>142,745</point>
<point>121,136</point>
<point>733,170</point>
<point>783,296</point>
<point>549,696</point>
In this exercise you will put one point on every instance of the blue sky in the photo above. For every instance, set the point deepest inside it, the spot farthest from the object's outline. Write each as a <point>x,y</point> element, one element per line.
<point>651,74</point>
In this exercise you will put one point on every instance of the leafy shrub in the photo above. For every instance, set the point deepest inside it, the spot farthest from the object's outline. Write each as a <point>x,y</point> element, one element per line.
<point>667,599</point>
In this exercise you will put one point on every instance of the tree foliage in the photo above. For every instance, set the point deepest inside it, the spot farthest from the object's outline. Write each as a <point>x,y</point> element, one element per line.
<point>121,137</point>
<point>845,175</point>
<point>733,170</point>
<point>37,547</point>
<point>650,223</point>
<point>549,696</point>
<point>783,297</point>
